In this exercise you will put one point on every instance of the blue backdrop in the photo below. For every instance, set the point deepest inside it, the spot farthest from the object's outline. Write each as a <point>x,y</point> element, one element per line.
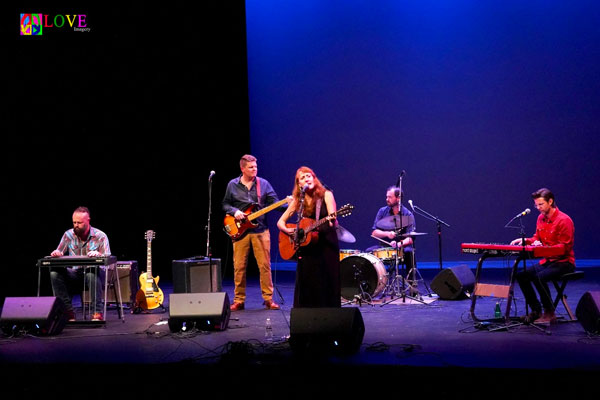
<point>480,103</point>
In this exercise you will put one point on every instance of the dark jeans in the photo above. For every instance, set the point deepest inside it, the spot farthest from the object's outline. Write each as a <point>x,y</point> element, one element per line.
<point>69,281</point>
<point>539,275</point>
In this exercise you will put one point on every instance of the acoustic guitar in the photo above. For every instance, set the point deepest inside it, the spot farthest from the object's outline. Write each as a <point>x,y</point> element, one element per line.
<point>236,228</point>
<point>150,296</point>
<point>305,232</point>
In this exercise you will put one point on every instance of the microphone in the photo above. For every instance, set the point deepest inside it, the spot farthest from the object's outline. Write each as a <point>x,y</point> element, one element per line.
<point>304,188</point>
<point>411,205</point>
<point>212,173</point>
<point>402,173</point>
<point>523,213</point>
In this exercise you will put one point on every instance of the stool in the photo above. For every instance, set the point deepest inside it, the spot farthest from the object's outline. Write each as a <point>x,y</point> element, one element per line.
<point>560,284</point>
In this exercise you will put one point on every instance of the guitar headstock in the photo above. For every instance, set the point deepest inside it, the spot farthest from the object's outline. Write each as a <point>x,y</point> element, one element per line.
<point>345,210</point>
<point>149,235</point>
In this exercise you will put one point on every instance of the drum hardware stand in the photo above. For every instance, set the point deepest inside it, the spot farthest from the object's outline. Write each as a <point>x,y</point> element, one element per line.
<point>396,288</point>
<point>438,222</point>
<point>363,297</point>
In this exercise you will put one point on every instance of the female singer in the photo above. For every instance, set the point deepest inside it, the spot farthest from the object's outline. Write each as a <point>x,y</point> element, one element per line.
<point>318,268</point>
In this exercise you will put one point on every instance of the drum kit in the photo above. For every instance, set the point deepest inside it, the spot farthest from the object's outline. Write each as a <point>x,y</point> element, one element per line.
<point>364,275</point>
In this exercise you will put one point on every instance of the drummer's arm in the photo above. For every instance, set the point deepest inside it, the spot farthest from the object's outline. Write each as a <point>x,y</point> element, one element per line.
<point>383,234</point>
<point>407,241</point>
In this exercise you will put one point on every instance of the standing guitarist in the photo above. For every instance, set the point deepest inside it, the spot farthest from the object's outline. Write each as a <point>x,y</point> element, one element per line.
<point>242,194</point>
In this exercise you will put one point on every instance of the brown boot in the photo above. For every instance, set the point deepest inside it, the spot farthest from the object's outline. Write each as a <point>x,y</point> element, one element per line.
<point>547,318</point>
<point>271,305</point>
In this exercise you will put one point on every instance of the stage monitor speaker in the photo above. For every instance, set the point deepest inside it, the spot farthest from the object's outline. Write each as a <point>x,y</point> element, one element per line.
<point>453,283</point>
<point>193,276</point>
<point>326,330</point>
<point>35,315</point>
<point>588,311</point>
<point>205,311</point>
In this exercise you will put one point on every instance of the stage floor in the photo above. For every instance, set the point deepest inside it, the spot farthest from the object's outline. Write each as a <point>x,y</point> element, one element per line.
<point>420,348</point>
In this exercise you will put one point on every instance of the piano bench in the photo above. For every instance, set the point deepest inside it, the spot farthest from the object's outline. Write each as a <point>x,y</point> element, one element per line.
<point>561,284</point>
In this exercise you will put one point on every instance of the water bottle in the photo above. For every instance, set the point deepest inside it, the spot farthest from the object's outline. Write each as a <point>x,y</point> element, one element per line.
<point>268,330</point>
<point>497,312</point>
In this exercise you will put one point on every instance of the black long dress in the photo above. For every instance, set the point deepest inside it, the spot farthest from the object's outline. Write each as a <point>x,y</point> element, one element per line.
<point>318,270</point>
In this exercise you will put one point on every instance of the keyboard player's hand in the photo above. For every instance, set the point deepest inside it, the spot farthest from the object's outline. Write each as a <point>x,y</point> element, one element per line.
<point>56,253</point>
<point>516,242</point>
<point>94,253</point>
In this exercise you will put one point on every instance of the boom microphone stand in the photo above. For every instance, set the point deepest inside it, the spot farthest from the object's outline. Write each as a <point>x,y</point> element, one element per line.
<point>208,249</point>
<point>438,222</point>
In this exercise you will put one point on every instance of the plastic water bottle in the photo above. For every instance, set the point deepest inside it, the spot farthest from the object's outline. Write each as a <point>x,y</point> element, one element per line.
<point>268,330</point>
<point>497,312</point>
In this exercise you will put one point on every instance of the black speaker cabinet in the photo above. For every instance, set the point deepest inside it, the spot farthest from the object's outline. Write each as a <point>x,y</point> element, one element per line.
<point>35,315</point>
<point>205,311</point>
<point>588,311</point>
<point>128,281</point>
<point>326,330</point>
<point>452,283</point>
<point>193,276</point>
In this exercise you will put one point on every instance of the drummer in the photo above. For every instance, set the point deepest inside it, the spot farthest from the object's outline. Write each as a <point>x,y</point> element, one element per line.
<point>390,223</point>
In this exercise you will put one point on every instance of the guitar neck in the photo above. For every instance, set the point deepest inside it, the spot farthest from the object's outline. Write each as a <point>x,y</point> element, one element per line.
<point>265,210</point>
<point>320,222</point>
<point>149,260</point>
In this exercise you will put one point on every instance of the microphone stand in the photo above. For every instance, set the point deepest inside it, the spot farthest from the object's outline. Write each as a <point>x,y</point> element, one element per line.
<point>208,248</point>
<point>439,224</point>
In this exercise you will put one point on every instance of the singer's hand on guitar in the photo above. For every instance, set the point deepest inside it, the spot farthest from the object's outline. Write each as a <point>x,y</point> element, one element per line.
<point>239,215</point>
<point>289,231</point>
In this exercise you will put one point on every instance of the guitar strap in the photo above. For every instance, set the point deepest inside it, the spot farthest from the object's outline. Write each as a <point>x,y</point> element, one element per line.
<point>318,210</point>
<point>258,191</point>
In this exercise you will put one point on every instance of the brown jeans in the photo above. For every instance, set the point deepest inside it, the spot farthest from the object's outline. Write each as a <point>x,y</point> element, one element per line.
<point>261,246</point>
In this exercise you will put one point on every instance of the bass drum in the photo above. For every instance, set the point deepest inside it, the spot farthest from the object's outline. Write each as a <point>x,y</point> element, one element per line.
<point>364,271</point>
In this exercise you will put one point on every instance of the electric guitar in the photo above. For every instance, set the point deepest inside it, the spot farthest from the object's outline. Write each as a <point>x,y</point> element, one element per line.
<point>236,228</point>
<point>150,296</point>
<point>305,232</point>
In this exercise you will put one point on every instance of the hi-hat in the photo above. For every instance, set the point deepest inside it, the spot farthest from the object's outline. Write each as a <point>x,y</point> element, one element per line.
<point>344,235</point>
<point>393,222</point>
<point>413,234</point>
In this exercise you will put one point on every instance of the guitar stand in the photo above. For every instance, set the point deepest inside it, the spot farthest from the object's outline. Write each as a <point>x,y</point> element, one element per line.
<point>139,310</point>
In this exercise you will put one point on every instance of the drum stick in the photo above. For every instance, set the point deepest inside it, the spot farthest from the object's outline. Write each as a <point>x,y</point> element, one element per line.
<point>381,240</point>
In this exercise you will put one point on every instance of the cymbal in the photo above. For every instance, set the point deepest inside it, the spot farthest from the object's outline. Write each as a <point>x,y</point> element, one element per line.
<point>414,234</point>
<point>393,222</point>
<point>344,235</point>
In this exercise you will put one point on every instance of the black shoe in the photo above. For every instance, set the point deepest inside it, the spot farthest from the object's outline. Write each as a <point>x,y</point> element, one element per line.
<point>529,318</point>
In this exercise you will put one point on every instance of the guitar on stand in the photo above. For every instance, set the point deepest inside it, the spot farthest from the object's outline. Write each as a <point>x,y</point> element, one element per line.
<point>306,232</point>
<point>149,296</point>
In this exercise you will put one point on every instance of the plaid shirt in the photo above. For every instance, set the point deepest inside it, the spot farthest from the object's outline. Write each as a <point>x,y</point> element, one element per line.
<point>74,246</point>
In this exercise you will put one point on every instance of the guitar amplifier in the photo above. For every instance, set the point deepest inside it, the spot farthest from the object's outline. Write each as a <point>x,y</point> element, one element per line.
<point>128,281</point>
<point>193,275</point>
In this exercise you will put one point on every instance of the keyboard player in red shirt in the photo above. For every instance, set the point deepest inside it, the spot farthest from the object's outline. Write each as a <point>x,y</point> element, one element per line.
<point>553,228</point>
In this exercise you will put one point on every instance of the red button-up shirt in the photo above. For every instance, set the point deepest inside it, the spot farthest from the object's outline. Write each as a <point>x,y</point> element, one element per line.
<point>556,231</point>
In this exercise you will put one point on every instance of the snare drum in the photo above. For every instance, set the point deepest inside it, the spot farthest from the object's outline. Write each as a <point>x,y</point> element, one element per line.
<point>386,253</point>
<point>347,252</point>
<point>362,273</point>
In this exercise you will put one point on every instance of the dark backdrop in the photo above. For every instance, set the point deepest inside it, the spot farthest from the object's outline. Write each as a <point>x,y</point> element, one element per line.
<point>127,119</point>
<point>480,102</point>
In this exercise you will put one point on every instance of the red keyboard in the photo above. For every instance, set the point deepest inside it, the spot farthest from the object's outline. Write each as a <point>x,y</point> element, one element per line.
<point>507,249</point>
